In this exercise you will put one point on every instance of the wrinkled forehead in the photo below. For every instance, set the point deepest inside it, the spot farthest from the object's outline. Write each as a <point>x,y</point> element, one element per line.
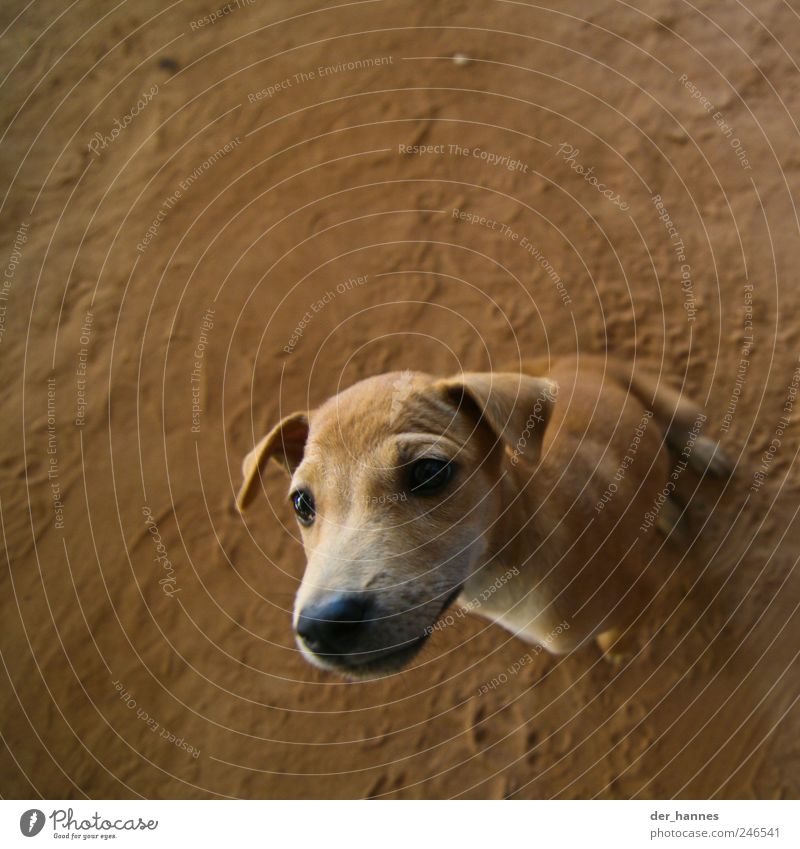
<point>385,418</point>
<point>369,410</point>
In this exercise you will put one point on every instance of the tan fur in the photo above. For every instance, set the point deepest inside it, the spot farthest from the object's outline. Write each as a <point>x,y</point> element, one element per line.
<point>518,530</point>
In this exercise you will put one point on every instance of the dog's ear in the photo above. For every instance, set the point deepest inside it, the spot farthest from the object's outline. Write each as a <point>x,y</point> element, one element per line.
<point>285,444</point>
<point>516,407</point>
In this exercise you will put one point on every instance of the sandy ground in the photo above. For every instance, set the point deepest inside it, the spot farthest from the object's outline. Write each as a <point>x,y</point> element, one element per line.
<point>253,237</point>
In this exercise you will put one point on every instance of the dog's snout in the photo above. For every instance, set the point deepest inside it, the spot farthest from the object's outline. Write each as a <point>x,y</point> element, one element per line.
<point>333,625</point>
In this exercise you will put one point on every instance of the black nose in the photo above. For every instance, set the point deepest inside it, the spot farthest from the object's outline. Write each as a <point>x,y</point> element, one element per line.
<point>333,625</point>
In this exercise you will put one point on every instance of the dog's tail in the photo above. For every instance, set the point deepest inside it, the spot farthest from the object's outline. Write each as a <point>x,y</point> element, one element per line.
<point>680,417</point>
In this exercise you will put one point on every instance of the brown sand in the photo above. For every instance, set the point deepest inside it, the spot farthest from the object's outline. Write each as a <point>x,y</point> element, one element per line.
<point>104,657</point>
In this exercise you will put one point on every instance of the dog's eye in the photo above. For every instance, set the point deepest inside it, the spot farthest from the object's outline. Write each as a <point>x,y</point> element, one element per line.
<point>429,475</point>
<point>303,503</point>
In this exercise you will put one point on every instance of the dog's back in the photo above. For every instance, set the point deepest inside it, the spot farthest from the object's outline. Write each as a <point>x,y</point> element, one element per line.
<point>609,453</point>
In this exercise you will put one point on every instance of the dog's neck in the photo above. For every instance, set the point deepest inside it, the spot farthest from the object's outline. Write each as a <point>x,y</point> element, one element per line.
<point>516,534</point>
<point>511,587</point>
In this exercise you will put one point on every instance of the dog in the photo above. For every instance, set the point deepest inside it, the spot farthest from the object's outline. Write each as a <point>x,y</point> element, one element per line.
<point>526,495</point>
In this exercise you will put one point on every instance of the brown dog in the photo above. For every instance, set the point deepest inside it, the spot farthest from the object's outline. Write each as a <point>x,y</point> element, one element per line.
<point>527,495</point>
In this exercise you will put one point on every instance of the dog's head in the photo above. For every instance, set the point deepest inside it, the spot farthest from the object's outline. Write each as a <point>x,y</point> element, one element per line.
<point>396,483</point>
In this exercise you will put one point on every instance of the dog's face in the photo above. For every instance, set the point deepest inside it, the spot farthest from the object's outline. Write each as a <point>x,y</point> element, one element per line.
<point>395,484</point>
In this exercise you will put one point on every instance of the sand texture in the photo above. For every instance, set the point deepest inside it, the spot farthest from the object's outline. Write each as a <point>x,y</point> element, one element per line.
<point>301,195</point>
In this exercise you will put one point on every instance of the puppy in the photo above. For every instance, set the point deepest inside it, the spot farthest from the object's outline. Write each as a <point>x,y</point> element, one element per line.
<point>528,496</point>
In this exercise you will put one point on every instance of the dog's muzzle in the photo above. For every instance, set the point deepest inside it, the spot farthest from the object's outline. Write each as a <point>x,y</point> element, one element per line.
<point>335,626</point>
<point>347,632</point>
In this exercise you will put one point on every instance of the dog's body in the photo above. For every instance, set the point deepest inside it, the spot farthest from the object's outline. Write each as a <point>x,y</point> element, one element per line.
<point>533,519</point>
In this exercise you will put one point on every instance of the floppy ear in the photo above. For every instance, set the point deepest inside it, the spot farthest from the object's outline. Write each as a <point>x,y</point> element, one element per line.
<point>516,407</point>
<point>285,444</point>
